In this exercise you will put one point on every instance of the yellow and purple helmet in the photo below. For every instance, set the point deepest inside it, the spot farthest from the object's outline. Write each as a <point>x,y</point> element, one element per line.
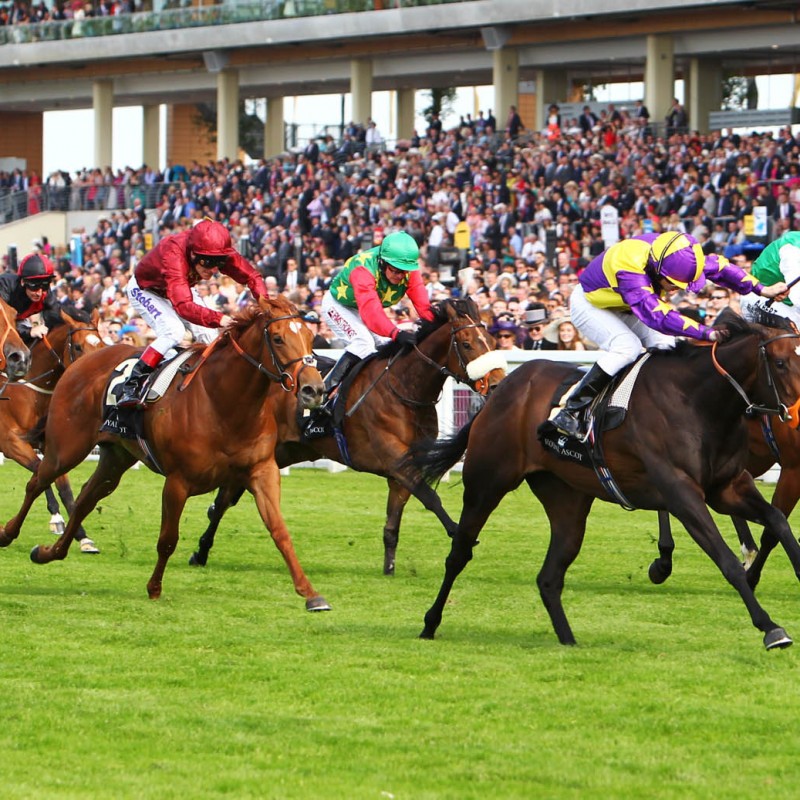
<point>677,257</point>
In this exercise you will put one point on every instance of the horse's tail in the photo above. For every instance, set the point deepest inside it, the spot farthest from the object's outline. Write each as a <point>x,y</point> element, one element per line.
<point>433,457</point>
<point>35,436</point>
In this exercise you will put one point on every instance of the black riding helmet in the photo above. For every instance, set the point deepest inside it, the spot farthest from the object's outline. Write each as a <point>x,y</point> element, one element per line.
<point>36,270</point>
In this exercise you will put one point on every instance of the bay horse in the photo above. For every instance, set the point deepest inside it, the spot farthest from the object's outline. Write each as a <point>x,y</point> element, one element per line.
<point>215,430</point>
<point>681,446</point>
<point>15,357</point>
<point>390,403</point>
<point>29,401</point>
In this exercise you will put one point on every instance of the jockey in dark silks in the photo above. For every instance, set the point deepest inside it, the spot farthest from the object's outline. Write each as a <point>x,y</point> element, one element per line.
<point>160,291</point>
<point>28,293</point>
<point>621,305</point>
<point>370,281</point>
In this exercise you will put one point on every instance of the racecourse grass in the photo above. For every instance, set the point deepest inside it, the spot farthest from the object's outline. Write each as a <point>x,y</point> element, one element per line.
<point>226,687</point>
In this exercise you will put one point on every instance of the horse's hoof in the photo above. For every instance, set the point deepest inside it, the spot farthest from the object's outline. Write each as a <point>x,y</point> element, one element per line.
<point>657,573</point>
<point>426,634</point>
<point>388,569</point>
<point>196,560</point>
<point>318,603</point>
<point>777,637</point>
<point>35,556</point>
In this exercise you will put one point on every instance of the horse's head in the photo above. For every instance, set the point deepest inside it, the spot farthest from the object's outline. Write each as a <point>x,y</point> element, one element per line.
<point>287,356</point>
<point>775,385</point>
<point>459,341</point>
<point>15,358</point>
<point>81,336</point>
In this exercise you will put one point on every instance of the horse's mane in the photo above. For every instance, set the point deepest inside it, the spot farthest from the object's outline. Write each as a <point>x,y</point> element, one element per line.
<point>464,307</point>
<point>244,319</point>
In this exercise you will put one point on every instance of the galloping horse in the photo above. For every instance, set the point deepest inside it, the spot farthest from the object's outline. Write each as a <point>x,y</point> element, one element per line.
<point>682,445</point>
<point>214,431</point>
<point>29,401</point>
<point>15,357</point>
<point>392,402</point>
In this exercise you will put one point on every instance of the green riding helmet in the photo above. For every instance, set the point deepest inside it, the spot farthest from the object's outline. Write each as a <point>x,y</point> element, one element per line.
<point>400,251</point>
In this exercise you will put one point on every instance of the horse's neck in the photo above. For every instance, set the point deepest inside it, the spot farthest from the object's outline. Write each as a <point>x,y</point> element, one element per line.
<point>46,364</point>
<point>233,380</point>
<point>421,379</point>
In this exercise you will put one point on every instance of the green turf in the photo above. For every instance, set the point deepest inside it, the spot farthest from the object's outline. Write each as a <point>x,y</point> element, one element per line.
<point>226,687</point>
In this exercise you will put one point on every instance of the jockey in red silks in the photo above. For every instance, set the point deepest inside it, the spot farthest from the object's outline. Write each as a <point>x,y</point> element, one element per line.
<point>160,291</point>
<point>28,292</point>
<point>620,304</point>
<point>369,282</point>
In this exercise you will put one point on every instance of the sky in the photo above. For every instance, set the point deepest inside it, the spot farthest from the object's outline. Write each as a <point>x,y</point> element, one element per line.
<point>69,135</point>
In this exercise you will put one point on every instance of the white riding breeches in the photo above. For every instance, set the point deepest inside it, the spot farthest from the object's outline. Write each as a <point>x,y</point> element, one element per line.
<point>159,314</point>
<point>621,336</point>
<point>347,324</point>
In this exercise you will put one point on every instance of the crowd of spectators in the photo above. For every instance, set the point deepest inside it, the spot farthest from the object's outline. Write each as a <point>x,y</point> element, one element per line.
<point>21,12</point>
<point>531,205</point>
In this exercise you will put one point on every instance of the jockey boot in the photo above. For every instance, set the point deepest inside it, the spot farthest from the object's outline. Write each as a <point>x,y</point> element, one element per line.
<point>568,419</point>
<point>133,387</point>
<point>335,377</point>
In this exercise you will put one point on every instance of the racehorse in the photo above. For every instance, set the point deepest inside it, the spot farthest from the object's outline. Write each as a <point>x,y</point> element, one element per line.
<point>215,430</point>
<point>392,402</point>
<point>29,401</point>
<point>682,445</point>
<point>15,357</point>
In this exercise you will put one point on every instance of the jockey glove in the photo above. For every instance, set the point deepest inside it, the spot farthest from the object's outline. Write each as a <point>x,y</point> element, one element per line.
<point>719,335</point>
<point>406,338</point>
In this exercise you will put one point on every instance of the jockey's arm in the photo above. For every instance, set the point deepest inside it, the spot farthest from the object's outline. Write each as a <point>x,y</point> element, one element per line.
<point>365,289</point>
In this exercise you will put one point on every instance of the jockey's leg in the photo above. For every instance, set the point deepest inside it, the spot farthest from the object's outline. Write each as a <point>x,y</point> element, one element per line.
<point>133,388</point>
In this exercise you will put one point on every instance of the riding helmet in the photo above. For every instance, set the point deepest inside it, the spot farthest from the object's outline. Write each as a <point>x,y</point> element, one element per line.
<point>677,257</point>
<point>210,238</point>
<point>36,268</point>
<point>400,251</point>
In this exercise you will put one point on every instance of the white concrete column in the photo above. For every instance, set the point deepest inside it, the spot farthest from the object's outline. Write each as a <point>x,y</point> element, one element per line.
<point>405,113</point>
<point>361,89</point>
<point>273,128</point>
<point>228,114</point>
<point>552,86</point>
<point>505,77</point>
<point>704,92</point>
<point>151,134</point>
<point>659,77</point>
<point>103,105</point>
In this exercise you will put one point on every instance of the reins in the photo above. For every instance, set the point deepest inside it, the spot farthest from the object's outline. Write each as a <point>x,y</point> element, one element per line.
<point>785,413</point>
<point>59,360</point>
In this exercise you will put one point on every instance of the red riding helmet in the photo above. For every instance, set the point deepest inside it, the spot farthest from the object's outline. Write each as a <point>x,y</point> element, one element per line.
<point>36,268</point>
<point>209,238</point>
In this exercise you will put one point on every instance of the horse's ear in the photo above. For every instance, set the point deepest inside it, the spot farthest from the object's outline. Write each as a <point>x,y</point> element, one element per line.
<point>452,313</point>
<point>66,318</point>
<point>263,304</point>
<point>95,317</point>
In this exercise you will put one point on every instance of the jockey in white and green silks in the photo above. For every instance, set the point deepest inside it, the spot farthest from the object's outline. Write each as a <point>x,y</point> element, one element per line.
<point>779,261</point>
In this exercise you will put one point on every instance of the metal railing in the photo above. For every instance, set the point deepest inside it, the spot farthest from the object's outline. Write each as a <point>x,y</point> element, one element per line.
<point>194,17</point>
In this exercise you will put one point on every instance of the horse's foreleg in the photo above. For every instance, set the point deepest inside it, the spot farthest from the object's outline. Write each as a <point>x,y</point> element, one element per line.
<point>481,496</point>
<point>566,511</point>
<point>265,484</point>
<point>173,501</point>
<point>113,462</point>
<point>11,529</point>
<point>395,504</point>
<point>661,568</point>
<point>225,498</point>
<point>739,498</point>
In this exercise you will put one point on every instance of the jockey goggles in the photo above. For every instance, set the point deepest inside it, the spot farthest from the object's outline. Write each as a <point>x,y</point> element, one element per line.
<point>34,284</point>
<point>211,262</point>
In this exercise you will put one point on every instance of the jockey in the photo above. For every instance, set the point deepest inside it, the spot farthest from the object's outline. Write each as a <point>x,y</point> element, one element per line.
<point>621,305</point>
<point>779,261</point>
<point>369,282</point>
<point>28,292</point>
<point>160,291</point>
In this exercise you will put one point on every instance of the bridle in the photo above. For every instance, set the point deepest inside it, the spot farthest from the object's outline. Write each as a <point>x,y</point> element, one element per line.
<point>60,363</point>
<point>286,374</point>
<point>785,413</point>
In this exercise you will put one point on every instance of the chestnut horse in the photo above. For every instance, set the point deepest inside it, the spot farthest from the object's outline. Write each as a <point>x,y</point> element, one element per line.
<point>392,402</point>
<point>682,445</point>
<point>215,430</point>
<point>29,401</point>
<point>15,357</point>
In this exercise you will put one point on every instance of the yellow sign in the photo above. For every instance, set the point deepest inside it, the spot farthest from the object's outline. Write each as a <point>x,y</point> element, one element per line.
<point>749,224</point>
<point>461,236</point>
<point>148,242</point>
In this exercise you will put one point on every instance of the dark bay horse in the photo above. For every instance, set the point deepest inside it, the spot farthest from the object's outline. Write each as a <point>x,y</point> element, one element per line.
<point>29,401</point>
<point>682,446</point>
<point>217,430</point>
<point>15,357</point>
<point>391,403</point>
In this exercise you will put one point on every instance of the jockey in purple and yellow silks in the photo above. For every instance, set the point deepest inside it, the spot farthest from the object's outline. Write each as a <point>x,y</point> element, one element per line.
<point>620,305</point>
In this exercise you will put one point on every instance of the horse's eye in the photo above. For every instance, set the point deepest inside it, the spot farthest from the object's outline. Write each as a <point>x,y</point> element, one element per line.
<point>277,339</point>
<point>467,345</point>
<point>780,363</point>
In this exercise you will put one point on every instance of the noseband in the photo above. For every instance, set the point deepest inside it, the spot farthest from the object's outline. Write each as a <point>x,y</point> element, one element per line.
<point>286,374</point>
<point>785,413</point>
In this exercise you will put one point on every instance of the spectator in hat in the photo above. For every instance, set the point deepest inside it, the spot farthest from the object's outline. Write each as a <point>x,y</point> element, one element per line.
<point>314,324</point>
<point>506,332</point>
<point>536,319</point>
<point>564,335</point>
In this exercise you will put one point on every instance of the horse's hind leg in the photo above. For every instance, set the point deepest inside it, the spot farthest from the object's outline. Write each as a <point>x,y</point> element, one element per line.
<point>265,485</point>
<point>225,499</point>
<point>68,501</point>
<point>661,568</point>
<point>113,462</point>
<point>395,504</point>
<point>567,510</point>
<point>173,501</point>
